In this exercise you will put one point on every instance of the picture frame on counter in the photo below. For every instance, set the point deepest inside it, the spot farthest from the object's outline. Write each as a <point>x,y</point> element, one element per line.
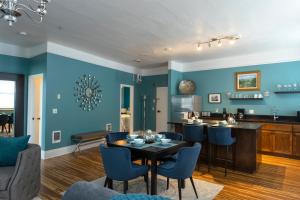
<point>214,98</point>
<point>247,81</point>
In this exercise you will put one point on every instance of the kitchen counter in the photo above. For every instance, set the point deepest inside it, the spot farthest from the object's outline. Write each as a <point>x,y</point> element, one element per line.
<point>243,154</point>
<point>238,125</point>
<point>259,119</point>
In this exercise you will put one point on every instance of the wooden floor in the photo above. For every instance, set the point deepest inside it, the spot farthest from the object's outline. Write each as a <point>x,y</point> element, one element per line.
<point>277,178</point>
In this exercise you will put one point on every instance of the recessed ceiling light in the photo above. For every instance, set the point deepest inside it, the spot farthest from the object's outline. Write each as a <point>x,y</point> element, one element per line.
<point>167,49</point>
<point>22,33</point>
<point>138,60</point>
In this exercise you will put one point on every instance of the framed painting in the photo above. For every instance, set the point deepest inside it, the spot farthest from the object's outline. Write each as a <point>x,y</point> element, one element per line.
<point>214,98</point>
<point>247,81</point>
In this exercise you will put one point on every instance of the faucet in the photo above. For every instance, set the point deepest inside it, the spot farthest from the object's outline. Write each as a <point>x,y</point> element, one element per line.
<point>274,116</point>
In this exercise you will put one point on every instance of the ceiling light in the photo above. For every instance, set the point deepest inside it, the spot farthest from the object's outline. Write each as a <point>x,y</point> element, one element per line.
<point>199,47</point>
<point>10,10</point>
<point>232,42</point>
<point>22,33</point>
<point>138,60</point>
<point>167,49</point>
<point>219,43</point>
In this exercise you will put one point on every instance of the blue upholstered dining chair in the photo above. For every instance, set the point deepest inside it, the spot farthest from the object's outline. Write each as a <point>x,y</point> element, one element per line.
<point>220,136</point>
<point>118,166</point>
<point>193,133</point>
<point>172,136</point>
<point>114,136</point>
<point>183,167</point>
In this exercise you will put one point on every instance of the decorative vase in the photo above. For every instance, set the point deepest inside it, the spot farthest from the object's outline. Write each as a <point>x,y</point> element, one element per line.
<point>187,87</point>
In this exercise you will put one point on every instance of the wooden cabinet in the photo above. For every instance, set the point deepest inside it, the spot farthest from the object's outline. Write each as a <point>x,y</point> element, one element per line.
<point>277,138</point>
<point>282,142</point>
<point>266,141</point>
<point>296,140</point>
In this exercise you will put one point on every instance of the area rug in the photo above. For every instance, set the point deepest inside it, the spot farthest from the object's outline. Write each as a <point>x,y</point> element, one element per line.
<point>206,190</point>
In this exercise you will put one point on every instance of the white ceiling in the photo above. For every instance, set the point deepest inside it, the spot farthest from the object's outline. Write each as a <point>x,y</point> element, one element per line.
<point>124,30</point>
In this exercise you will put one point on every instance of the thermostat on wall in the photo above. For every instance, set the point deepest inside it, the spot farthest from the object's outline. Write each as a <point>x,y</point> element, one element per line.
<point>56,137</point>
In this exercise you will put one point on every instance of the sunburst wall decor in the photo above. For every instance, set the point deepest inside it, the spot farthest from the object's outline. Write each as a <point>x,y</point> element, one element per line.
<point>87,92</point>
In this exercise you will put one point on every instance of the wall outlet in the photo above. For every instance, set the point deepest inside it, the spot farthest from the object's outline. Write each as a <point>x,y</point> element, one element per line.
<point>56,137</point>
<point>54,111</point>
<point>108,127</point>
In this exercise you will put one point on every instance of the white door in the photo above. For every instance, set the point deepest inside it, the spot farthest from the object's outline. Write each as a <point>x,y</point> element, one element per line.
<point>161,109</point>
<point>34,120</point>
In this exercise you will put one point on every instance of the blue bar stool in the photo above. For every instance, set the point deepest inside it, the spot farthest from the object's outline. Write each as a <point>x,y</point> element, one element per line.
<point>220,136</point>
<point>194,133</point>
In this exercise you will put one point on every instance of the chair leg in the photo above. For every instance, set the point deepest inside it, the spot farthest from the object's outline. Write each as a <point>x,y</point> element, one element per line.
<point>209,158</point>
<point>226,160</point>
<point>110,183</point>
<point>168,183</point>
<point>147,183</point>
<point>105,182</point>
<point>125,187</point>
<point>192,181</point>
<point>179,188</point>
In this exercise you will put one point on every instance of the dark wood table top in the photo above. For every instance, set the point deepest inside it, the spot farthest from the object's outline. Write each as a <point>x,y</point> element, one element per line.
<point>152,149</point>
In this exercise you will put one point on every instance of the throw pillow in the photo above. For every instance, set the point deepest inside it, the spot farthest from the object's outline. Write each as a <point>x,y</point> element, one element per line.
<point>10,148</point>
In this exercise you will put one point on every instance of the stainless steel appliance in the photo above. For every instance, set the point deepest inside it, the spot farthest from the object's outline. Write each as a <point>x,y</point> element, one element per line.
<point>182,104</point>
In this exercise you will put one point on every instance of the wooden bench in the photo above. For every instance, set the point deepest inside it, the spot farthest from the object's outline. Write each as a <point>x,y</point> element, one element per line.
<point>81,139</point>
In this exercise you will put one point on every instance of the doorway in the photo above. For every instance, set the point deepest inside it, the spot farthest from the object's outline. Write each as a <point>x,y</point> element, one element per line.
<point>11,104</point>
<point>7,107</point>
<point>161,109</point>
<point>126,108</point>
<point>35,97</point>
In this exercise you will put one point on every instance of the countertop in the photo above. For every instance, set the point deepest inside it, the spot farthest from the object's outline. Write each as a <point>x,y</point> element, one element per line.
<point>239,125</point>
<point>260,119</point>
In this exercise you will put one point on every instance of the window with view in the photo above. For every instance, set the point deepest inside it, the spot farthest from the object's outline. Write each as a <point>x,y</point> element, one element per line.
<point>7,95</point>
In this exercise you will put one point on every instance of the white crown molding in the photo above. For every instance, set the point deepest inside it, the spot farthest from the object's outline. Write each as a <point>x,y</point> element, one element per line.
<point>67,150</point>
<point>87,57</point>
<point>12,50</point>
<point>177,66</point>
<point>154,71</point>
<point>36,50</point>
<point>279,56</point>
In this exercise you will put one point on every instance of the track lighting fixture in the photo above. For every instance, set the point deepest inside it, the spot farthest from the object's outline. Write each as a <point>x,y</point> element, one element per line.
<point>219,41</point>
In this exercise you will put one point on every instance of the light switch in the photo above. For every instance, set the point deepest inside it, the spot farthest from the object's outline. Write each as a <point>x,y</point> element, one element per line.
<point>58,96</point>
<point>54,111</point>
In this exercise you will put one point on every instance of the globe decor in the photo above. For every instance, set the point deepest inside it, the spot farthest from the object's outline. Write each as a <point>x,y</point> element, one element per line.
<point>187,87</point>
<point>87,92</point>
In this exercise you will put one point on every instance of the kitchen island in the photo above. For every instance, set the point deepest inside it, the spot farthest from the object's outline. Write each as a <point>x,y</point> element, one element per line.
<point>243,154</point>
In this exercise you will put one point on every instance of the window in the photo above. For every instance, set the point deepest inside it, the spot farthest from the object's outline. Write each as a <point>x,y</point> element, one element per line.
<point>7,94</point>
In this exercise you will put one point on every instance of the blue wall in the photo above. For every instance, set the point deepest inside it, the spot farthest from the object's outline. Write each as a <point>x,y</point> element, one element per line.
<point>222,81</point>
<point>62,73</point>
<point>148,88</point>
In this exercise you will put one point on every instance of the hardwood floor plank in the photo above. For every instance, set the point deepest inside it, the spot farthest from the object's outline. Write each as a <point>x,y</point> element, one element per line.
<point>277,178</point>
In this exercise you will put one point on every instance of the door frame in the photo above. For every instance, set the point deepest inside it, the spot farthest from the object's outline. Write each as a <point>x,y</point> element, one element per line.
<point>30,106</point>
<point>19,112</point>
<point>131,106</point>
<point>156,105</point>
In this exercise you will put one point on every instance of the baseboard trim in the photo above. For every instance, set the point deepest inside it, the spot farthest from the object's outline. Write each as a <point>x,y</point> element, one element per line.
<point>67,150</point>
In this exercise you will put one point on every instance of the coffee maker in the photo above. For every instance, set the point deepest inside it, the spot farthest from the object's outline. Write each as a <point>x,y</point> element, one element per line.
<point>240,113</point>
